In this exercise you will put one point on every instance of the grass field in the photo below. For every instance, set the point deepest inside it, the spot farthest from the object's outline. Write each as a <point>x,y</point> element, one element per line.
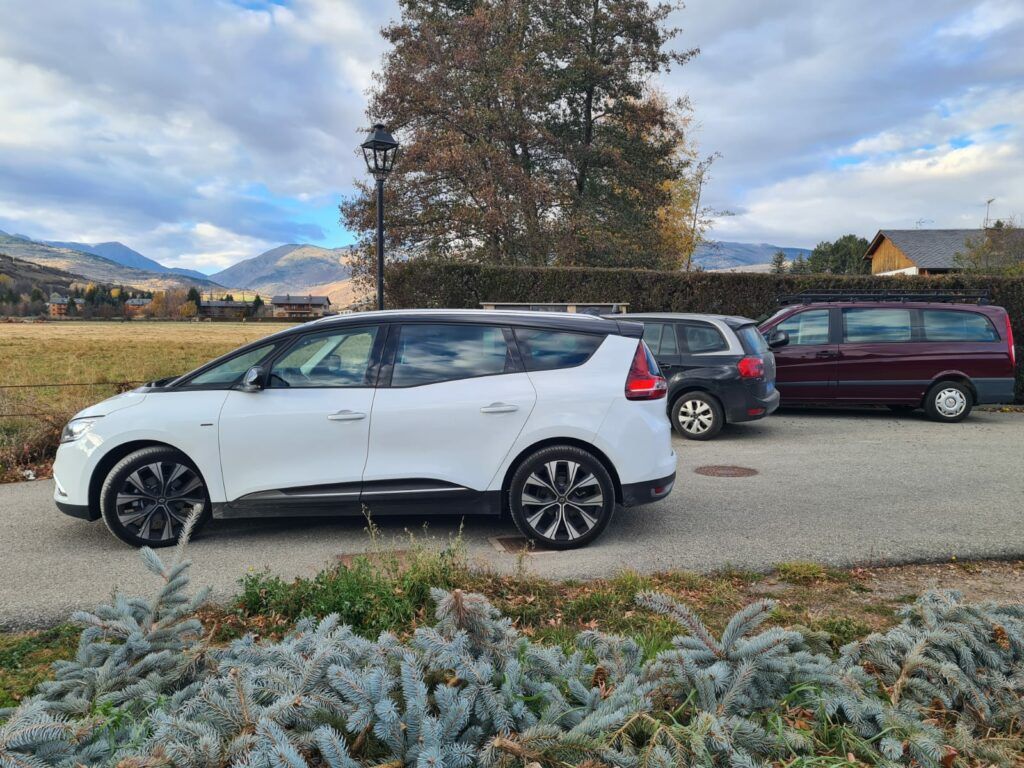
<point>106,355</point>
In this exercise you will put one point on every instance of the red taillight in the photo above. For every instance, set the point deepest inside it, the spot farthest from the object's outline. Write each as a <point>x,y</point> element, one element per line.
<point>645,381</point>
<point>751,367</point>
<point>1009,342</point>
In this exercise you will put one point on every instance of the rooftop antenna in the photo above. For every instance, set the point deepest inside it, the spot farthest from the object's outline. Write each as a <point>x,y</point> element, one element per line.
<point>921,222</point>
<point>988,205</point>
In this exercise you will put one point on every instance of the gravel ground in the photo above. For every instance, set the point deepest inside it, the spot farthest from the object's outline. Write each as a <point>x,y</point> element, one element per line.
<point>840,488</point>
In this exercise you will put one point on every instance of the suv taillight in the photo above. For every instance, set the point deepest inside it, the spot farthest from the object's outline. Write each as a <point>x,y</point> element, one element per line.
<point>645,381</point>
<point>1009,342</point>
<point>751,367</point>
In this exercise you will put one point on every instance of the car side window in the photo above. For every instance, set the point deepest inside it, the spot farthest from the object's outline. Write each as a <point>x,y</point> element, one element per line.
<point>701,338</point>
<point>230,371</point>
<point>954,325</point>
<point>428,354</point>
<point>876,325</point>
<point>548,350</point>
<point>330,359</point>
<point>661,338</point>
<point>806,328</point>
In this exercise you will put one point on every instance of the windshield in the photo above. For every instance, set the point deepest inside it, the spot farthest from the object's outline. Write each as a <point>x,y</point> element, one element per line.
<point>765,319</point>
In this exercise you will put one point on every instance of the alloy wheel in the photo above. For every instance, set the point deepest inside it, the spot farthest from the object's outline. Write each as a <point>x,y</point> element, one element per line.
<point>156,499</point>
<point>950,402</point>
<point>562,500</point>
<point>696,417</point>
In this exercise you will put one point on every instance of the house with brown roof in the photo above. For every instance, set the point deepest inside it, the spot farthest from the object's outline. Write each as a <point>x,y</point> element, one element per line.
<point>919,251</point>
<point>300,307</point>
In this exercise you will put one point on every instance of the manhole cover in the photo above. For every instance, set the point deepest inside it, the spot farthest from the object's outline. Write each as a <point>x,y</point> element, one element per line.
<point>725,470</point>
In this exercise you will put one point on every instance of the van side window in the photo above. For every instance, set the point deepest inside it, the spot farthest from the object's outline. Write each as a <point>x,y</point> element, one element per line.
<point>955,325</point>
<point>428,354</point>
<point>548,350</point>
<point>876,325</point>
<point>805,328</point>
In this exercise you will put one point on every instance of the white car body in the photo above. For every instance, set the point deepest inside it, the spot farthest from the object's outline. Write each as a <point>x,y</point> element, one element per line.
<point>445,446</point>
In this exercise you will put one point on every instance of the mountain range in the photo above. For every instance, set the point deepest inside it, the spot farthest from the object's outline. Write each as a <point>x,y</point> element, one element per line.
<point>287,269</point>
<point>731,255</point>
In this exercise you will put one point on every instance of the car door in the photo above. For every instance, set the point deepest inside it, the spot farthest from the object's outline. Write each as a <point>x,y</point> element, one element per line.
<point>660,338</point>
<point>453,398</point>
<point>806,366</point>
<point>302,439</point>
<point>877,356</point>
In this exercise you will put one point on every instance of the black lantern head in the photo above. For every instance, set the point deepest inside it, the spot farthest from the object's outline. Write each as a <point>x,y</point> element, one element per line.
<point>379,151</point>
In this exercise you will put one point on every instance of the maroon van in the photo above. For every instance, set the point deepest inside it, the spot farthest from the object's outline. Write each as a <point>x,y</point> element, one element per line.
<point>941,352</point>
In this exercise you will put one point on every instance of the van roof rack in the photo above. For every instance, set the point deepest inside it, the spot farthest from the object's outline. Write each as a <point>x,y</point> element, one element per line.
<point>946,297</point>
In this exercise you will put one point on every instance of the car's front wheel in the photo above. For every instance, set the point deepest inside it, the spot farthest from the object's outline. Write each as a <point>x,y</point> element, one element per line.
<point>948,401</point>
<point>561,497</point>
<point>149,494</point>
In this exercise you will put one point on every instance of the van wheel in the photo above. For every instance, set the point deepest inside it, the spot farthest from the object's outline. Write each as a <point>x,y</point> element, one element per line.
<point>697,415</point>
<point>149,494</point>
<point>948,401</point>
<point>561,497</point>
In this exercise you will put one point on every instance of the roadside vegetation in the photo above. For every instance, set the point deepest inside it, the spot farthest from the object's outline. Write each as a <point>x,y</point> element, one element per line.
<point>916,700</point>
<point>110,357</point>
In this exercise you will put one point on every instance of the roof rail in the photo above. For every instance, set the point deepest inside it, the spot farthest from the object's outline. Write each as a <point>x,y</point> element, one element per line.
<point>947,297</point>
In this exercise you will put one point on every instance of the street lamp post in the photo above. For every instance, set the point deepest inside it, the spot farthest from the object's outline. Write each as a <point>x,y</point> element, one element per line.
<point>379,151</point>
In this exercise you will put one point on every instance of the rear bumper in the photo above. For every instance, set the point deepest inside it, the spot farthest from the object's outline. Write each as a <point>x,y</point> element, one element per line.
<point>746,406</point>
<point>993,391</point>
<point>635,494</point>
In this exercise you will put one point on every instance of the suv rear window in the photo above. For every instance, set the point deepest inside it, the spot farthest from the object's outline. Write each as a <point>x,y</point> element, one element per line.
<point>661,338</point>
<point>954,325</point>
<point>876,325</point>
<point>699,338</point>
<point>428,354</point>
<point>752,340</point>
<point>548,350</point>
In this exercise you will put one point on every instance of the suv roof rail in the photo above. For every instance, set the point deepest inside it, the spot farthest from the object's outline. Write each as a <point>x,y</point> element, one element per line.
<point>948,297</point>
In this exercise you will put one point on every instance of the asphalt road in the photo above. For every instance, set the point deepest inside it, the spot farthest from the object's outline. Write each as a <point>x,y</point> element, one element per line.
<point>841,488</point>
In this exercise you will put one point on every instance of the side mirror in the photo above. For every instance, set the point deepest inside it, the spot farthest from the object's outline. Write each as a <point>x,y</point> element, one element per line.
<point>777,339</point>
<point>253,379</point>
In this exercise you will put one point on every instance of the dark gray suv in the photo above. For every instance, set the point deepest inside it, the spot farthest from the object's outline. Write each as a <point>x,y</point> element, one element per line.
<point>719,369</point>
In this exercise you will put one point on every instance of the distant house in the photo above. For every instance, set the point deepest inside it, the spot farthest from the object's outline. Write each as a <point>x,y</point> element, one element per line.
<point>57,306</point>
<point>300,307</point>
<point>220,309</point>
<point>918,251</point>
<point>135,307</point>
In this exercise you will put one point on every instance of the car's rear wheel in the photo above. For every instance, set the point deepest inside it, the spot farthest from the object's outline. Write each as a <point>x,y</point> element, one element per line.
<point>948,401</point>
<point>697,415</point>
<point>561,497</point>
<point>149,494</point>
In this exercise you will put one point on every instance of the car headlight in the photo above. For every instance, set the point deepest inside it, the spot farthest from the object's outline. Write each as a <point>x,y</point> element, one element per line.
<point>75,428</point>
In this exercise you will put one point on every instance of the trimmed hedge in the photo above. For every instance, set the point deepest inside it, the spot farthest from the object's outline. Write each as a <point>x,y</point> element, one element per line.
<point>440,284</point>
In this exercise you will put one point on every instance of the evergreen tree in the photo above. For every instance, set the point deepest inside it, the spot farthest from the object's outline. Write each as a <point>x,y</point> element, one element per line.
<point>779,263</point>
<point>193,296</point>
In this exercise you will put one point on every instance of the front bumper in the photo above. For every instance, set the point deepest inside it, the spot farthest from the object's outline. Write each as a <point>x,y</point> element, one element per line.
<point>81,511</point>
<point>635,494</point>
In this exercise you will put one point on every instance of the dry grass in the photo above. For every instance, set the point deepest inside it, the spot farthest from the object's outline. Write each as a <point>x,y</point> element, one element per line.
<point>110,353</point>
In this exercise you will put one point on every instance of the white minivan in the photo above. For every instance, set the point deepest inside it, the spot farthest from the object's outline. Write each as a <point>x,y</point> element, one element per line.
<point>557,418</point>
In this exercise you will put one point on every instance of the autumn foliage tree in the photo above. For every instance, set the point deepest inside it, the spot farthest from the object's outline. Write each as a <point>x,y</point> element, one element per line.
<point>529,133</point>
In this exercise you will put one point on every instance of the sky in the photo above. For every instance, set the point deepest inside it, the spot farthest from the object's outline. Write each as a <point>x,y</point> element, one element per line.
<point>203,132</point>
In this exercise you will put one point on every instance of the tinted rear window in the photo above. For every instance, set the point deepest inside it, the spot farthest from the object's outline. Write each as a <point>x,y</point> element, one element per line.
<point>661,338</point>
<point>547,350</point>
<point>953,325</point>
<point>700,338</point>
<point>876,325</point>
<point>752,340</point>
<point>428,354</point>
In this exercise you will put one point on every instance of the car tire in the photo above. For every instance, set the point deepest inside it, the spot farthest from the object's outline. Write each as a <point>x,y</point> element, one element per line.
<point>697,415</point>
<point>148,495</point>
<point>949,402</point>
<point>556,506</point>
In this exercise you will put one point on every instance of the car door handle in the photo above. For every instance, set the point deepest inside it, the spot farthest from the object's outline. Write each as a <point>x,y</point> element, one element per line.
<point>825,355</point>
<point>499,408</point>
<point>347,416</point>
